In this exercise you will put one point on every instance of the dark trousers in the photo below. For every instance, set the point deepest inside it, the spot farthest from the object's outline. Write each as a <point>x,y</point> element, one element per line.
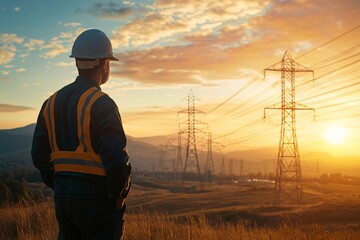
<point>88,218</point>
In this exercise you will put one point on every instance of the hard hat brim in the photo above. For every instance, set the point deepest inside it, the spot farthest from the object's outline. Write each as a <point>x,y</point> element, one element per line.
<point>113,58</point>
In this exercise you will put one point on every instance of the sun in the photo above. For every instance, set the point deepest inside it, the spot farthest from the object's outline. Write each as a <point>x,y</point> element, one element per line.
<point>335,135</point>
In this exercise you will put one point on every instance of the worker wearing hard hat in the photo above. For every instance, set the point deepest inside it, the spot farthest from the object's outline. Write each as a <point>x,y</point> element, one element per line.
<point>79,146</point>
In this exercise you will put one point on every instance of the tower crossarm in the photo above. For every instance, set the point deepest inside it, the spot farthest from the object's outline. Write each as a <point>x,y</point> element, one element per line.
<point>298,106</point>
<point>288,64</point>
<point>194,111</point>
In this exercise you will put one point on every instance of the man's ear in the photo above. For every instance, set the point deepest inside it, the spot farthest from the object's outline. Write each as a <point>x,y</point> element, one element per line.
<point>106,67</point>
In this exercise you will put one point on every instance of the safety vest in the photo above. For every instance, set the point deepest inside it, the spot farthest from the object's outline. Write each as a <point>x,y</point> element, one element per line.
<point>83,159</point>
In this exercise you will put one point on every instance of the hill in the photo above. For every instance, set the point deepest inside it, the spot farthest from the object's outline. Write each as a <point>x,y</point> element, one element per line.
<point>15,146</point>
<point>13,140</point>
<point>15,149</point>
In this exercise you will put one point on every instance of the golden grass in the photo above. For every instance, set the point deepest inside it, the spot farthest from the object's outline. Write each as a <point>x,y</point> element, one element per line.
<point>28,221</point>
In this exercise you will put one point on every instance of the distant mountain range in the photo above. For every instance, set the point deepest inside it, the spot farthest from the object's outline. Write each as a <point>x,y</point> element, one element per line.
<point>149,153</point>
<point>15,149</point>
<point>145,153</point>
<point>16,139</point>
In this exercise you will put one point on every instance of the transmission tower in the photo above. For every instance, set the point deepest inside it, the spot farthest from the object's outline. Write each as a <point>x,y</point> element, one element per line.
<point>170,156</point>
<point>161,161</point>
<point>222,169</point>
<point>241,167</point>
<point>209,167</point>
<point>179,163</point>
<point>231,166</point>
<point>288,180</point>
<point>192,168</point>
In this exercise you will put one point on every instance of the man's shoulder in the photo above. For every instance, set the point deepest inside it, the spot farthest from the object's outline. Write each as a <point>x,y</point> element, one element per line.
<point>105,101</point>
<point>105,97</point>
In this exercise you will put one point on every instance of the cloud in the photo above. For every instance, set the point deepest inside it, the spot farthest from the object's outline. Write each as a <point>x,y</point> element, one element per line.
<point>56,48</point>
<point>33,44</point>
<point>111,10</point>
<point>169,21</point>
<point>200,41</point>
<point>13,108</point>
<point>65,64</point>
<point>72,24</point>
<point>196,63</point>
<point>128,3</point>
<point>57,45</point>
<point>24,55</point>
<point>20,70</point>
<point>7,38</point>
<point>7,54</point>
<point>183,41</point>
<point>61,43</point>
<point>144,31</point>
<point>8,48</point>
<point>17,9</point>
<point>30,84</point>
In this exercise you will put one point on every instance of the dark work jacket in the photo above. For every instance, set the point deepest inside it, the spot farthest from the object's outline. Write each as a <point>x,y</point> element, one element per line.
<point>107,139</point>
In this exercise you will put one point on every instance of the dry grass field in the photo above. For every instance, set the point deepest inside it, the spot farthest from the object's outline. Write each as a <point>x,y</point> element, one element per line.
<point>159,210</point>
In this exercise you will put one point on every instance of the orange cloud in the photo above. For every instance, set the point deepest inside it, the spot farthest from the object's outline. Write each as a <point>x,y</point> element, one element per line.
<point>7,47</point>
<point>33,44</point>
<point>254,39</point>
<point>7,38</point>
<point>13,108</point>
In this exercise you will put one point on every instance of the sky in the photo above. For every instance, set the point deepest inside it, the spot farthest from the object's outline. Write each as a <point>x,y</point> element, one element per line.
<point>215,50</point>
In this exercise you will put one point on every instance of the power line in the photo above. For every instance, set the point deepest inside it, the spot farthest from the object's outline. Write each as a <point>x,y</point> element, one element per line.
<point>330,41</point>
<point>251,82</point>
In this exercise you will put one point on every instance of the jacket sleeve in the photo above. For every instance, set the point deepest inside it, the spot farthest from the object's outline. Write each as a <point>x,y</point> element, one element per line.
<point>41,150</point>
<point>110,141</point>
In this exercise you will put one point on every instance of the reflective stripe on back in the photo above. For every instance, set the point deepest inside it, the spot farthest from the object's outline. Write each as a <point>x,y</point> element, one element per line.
<point>78,162</point>
<point>82,105</point>
<point>84,159</point>
<point>49,120</point>
<point>84,115</point>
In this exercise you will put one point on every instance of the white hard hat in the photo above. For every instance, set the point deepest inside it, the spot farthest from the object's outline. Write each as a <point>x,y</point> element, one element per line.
<point>92,44</point>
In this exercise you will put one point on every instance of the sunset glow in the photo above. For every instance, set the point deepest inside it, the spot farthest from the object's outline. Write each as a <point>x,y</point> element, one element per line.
<point>335,135</point>
<point>217,49</point>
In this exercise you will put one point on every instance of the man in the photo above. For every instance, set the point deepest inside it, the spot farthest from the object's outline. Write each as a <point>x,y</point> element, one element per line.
<point>79,146</point>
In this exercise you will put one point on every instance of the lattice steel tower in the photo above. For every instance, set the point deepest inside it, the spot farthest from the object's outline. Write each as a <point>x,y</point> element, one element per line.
<point>179,164</point>
<point>191,168</point>
<point>209,167</point>
<point>241,167</point>
<point>288,181</point>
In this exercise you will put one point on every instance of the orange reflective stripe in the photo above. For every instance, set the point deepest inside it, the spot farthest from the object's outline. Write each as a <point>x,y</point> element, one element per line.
<point>86,123</point>
<point>46,114</point>
<point>78,162</point>
<point>80,169</point>
<point>77,155</point>
<point>50,122</point>
<point>80,107</point>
